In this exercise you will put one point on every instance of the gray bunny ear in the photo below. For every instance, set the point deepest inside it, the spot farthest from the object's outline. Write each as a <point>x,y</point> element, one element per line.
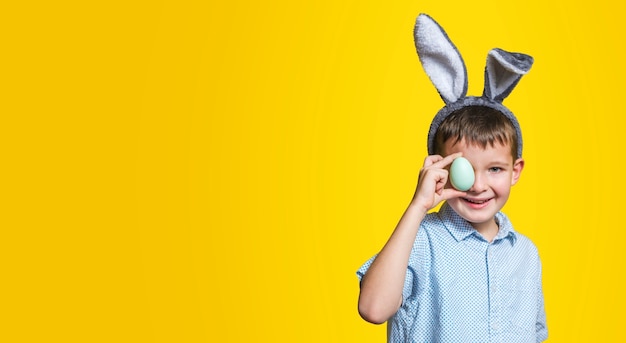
<point>503,72</point>
<point>441,59</point>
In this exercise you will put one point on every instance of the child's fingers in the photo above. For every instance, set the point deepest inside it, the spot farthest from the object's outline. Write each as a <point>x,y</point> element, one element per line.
<point>441,163</point>
<point>432,159</point>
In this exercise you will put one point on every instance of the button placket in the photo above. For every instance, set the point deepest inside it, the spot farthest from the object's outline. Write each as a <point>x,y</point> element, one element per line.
<point>494,293</point>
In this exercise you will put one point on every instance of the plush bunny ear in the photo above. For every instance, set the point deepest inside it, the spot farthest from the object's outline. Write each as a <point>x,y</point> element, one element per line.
<point>503,72</point>
<point>441,59</point>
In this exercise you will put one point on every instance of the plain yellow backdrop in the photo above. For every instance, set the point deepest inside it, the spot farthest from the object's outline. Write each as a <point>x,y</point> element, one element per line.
<point>203,171</point>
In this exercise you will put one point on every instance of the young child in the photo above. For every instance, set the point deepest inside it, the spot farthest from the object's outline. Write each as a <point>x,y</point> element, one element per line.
<point>462,274</point>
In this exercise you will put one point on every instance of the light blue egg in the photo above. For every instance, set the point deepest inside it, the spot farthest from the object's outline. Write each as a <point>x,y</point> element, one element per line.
<point>461,174</point>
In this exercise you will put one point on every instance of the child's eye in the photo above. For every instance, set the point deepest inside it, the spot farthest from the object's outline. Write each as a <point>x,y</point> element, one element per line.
<point>495,169</point>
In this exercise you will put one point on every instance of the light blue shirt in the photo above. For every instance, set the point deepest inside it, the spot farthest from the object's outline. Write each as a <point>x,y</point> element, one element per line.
<point>461,288</point>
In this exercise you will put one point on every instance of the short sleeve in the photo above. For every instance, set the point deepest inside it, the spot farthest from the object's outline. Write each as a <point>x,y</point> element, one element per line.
<point>409,281</point>
<point>418,266</point>
<point>542,330</point>
<point>361,272</point>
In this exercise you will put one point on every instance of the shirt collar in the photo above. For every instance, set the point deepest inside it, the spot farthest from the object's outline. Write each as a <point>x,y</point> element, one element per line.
<point>460,228</point>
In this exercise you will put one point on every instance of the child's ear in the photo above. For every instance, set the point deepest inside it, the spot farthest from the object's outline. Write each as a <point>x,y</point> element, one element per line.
<point>518,166</point>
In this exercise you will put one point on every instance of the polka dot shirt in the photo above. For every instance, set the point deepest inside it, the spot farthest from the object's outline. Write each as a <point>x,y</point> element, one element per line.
<point>461,288</point>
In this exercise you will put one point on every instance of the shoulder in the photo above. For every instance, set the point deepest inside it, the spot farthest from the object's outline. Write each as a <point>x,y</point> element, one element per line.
<point>525,243</point>
<point>432,223</point>
<point>428,234</point>
<point>525,252</point>
<point>521,241</point>
<point>431,230</point>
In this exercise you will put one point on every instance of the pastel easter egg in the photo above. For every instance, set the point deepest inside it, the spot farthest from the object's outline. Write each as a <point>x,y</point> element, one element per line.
<point>461,174</point>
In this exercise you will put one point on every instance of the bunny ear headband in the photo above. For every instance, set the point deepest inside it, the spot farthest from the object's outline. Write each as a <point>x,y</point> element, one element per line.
<point>445,68</point>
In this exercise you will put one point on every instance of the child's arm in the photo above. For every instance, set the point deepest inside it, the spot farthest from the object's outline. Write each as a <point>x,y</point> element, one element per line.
<point>381,287</point>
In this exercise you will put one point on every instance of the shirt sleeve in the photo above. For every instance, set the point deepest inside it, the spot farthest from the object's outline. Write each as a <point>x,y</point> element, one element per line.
<point>361,272</point>
<point>542,329</point>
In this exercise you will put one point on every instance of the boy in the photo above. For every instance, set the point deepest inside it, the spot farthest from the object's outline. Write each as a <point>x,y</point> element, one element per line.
<point>462,274</point>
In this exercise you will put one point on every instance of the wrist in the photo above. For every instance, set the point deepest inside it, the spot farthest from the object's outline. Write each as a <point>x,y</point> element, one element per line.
<point>418,208</point>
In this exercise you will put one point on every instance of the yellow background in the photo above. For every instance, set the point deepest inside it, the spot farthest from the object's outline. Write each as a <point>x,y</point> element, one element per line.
<point>203,171</point>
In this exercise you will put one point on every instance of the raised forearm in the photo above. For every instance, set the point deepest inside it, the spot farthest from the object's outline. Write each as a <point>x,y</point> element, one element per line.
<point>381,286</point>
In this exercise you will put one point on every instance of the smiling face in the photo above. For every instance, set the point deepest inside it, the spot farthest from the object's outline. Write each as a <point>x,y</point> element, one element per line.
<point>488,139</point>
<point>496,172</point>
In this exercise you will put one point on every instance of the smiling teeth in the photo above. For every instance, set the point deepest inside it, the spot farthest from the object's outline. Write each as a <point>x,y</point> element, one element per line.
<point>476,201</point>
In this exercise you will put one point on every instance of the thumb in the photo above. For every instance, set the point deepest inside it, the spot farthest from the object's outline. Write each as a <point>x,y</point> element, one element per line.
<point>450,193</point>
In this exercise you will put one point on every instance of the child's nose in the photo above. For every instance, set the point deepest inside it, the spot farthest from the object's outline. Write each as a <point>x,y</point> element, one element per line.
<point>479,184</point>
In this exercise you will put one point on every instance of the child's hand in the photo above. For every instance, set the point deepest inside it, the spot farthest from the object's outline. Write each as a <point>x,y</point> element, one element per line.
<point>432,180</point>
